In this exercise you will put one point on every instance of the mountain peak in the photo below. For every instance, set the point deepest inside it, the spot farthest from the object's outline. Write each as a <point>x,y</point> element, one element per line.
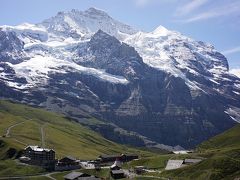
<point>101,36</point>
<point>76,23</point>
<point>160,30</point>
<point>96,12</point>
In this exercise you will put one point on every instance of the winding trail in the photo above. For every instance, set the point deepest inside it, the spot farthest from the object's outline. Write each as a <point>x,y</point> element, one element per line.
<point>10,127</point>
<point>8,131</point>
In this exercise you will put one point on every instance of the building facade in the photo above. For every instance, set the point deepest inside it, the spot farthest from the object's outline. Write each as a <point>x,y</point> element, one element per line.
<point>40,156</point>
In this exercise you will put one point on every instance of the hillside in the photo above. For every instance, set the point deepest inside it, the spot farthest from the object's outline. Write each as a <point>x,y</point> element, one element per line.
<point>21,125</point>
<point>222,154</point>
<point>225,141</point>
<point>220,160</point>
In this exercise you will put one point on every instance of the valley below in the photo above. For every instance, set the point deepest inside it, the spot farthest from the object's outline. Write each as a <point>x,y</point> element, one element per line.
<point>22,125</point>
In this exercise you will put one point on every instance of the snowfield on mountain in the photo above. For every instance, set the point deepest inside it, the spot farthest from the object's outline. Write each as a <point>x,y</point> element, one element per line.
<point>159,85</point>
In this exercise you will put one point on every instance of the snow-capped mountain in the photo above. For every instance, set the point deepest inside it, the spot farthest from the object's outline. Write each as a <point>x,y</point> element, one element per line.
<point>82,25</point>
<point>161,84</point>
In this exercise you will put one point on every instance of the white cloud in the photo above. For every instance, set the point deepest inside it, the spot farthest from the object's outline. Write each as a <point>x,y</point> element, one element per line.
<point>231,51</point>
<point>202,16</point>
<point>224,9</point>
<point>235,72</point>
<point>190,7</point>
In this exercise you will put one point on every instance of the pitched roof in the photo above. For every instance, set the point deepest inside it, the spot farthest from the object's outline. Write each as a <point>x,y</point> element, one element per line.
<point>117,172</point>
<point>73,175</point>
<point>174,164</point>
<point>37,148</point>
<point>70,157</point>
<point>109,156</point>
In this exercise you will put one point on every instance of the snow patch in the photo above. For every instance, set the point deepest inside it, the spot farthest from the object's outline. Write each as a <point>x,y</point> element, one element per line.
<point>161,31</point>
<point>37,69</point>
<point>234,113</point>
<point>236,72</point>
<point>28,30</point>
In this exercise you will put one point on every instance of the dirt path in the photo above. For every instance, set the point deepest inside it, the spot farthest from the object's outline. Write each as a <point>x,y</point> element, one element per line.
<point>8,131</point>
<point>10,127</point>
<point>42,135</point>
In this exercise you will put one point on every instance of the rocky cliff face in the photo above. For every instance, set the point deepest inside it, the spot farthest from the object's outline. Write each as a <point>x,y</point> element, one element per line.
<point>11,47</point>
<point>153,88</point>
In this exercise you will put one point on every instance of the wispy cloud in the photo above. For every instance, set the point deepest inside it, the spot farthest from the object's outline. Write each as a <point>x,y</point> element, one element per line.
<point>231,51</point>
<point>190,7</point>
<point>143,3</point>
<point>216,10</point>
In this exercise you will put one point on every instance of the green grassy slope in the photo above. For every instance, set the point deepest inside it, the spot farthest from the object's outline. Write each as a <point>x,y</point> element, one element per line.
<point>34,126</point>
<point>230,139</point>
<point>222,154</point>
<point>66,137</point>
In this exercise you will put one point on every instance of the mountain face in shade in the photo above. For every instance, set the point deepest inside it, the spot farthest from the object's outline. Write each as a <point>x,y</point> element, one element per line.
<point>150,88</point>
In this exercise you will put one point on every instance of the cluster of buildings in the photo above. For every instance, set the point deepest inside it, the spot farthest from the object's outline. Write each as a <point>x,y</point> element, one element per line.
<point>116,171</point>
<point>45,158</point>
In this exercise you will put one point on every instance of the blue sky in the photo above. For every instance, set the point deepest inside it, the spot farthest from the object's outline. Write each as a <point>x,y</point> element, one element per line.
<point>213,21</point>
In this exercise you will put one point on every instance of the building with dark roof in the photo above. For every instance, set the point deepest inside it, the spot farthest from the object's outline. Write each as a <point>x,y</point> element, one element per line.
<point>139,169</point>
<point>67,163</point>
<point>117,174</point>
<point>122,157</point>
<point>40,156</point>
<point>108,158</point>
<point>76,175</point>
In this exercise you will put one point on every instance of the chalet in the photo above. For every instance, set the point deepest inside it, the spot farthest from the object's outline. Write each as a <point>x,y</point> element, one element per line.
<point>68,160</point>
<point>117,174</point>
<point>40,156</point>
<point>122,157</point>
<point>128,157</point>
<point>107,158</point>
<point>67,163</point>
